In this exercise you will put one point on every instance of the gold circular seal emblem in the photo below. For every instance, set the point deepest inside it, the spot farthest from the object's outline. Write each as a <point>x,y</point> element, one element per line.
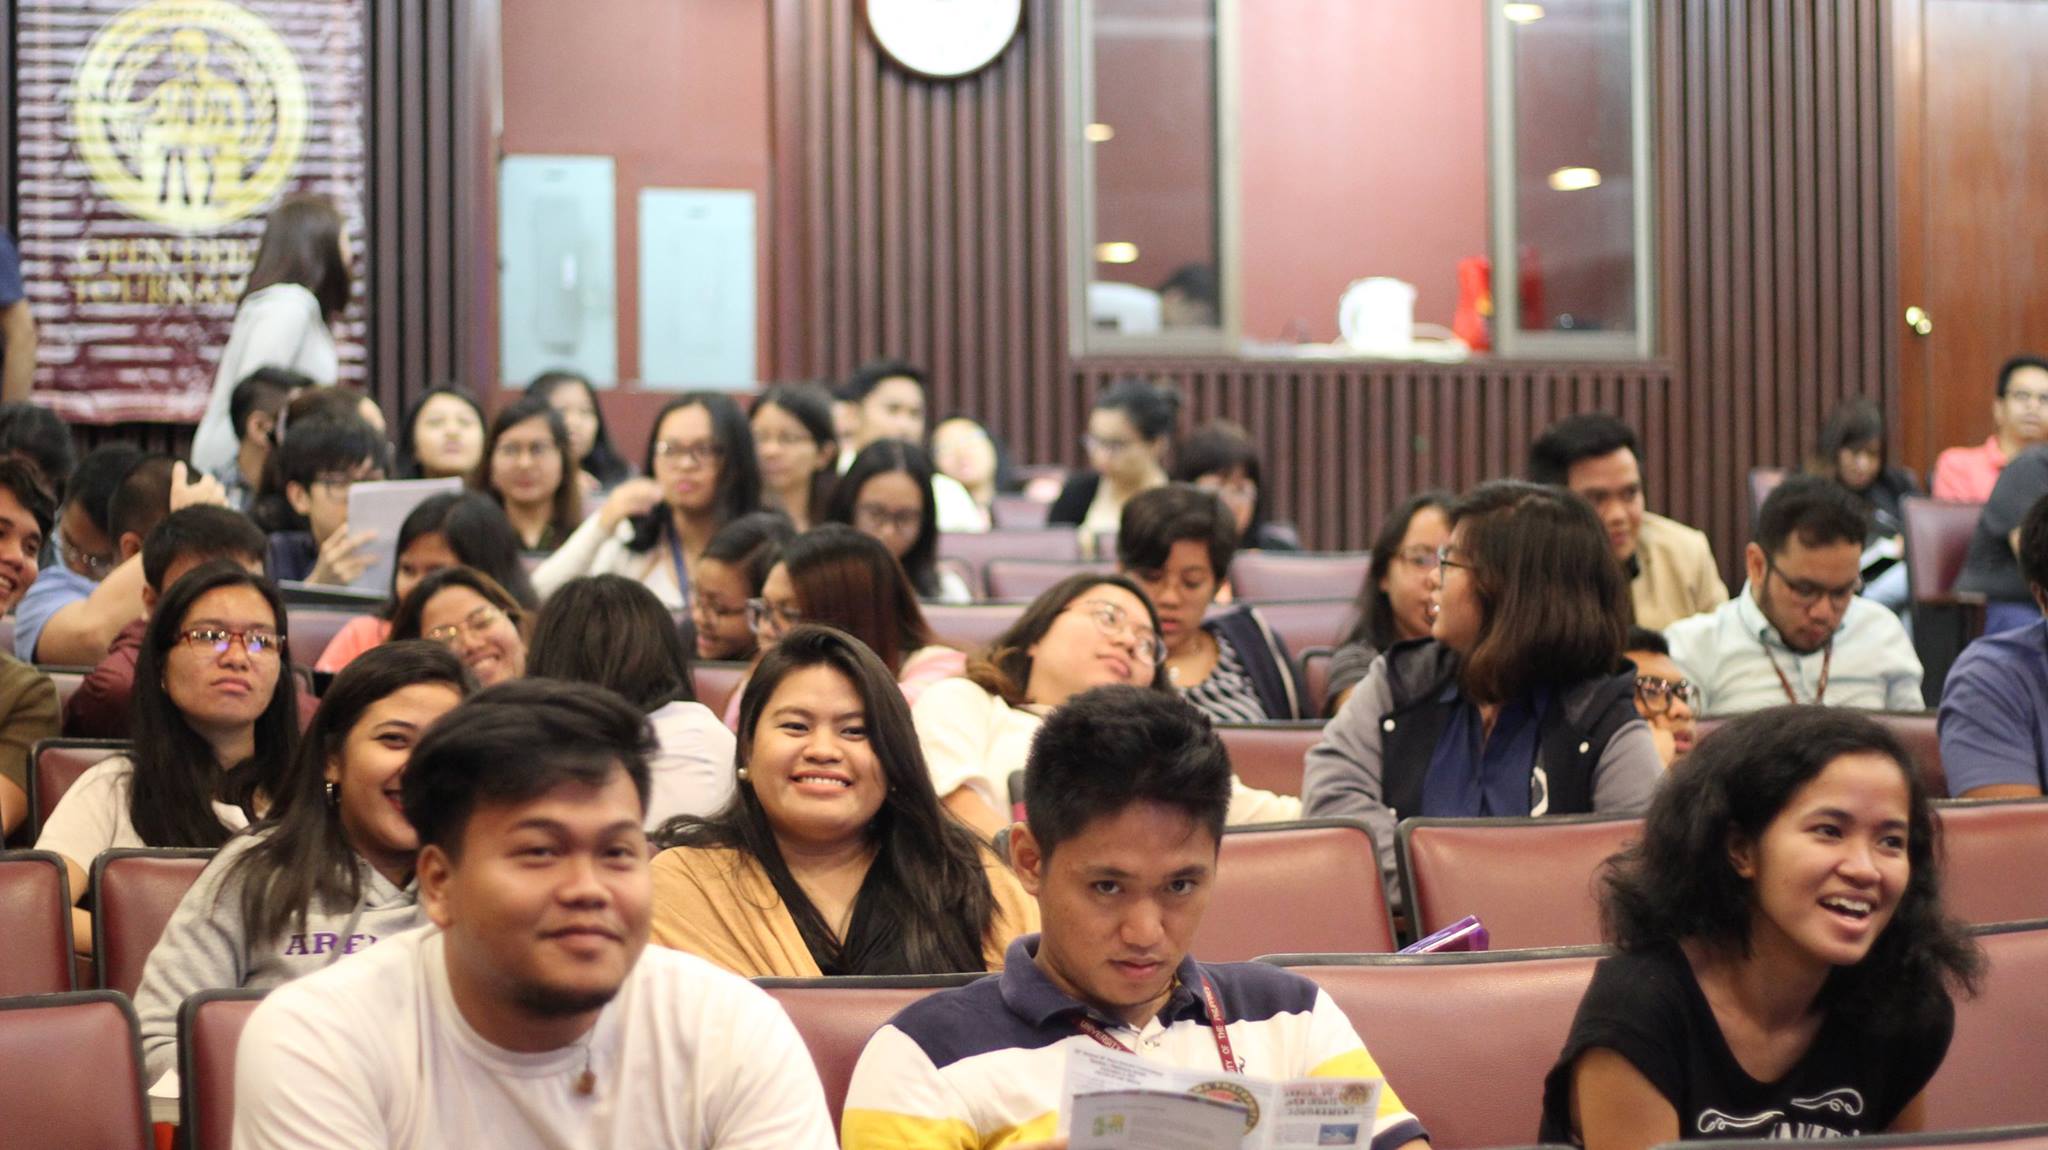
<point>1234,1094</point>
<point>189,113</point>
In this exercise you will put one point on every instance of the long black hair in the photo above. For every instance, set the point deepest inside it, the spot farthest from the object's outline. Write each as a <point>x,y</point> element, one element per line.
<point>307,857</point>
<point>1679,884</point>
<point>177,776</point>
<point>884,457</point>
<point>811,405</point>
<point>612,631</point>
<point>566,505</point>
<point>1375,626</point>
<point>604,461</point>
<point>476,530</point>
<point>925,906</point>
<point>406,460</point>
<point>739,473</point>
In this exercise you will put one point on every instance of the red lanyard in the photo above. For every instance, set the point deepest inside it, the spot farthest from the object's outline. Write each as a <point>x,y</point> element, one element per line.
<point>1214,1005</point>
<point>1820,690</point>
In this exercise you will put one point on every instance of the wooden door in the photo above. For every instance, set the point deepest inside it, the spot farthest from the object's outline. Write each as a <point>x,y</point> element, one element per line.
<point>1971,85</point>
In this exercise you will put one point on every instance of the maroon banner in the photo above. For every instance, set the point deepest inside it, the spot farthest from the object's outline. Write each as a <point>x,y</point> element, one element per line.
<point>153,138</point>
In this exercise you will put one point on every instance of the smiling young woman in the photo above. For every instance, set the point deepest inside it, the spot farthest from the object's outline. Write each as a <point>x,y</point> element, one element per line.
<point>834,857</point>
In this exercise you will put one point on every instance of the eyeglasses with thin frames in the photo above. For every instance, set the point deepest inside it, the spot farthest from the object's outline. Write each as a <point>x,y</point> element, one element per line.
<point>693,454</point>
<point>1807,593</point>
<point>1117,623</point>
<point>257,642</point>
<point>765,618</point>
<point>476,625</point>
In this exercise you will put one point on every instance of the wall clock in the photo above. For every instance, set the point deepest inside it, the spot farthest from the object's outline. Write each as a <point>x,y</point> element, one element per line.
<point>944,38</point>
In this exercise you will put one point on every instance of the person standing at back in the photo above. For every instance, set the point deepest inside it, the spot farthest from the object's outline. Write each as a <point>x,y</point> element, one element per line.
<point>297,290</point>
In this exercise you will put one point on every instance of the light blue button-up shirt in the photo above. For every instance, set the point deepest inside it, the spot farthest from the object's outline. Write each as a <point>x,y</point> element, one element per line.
<point>1728,653</point>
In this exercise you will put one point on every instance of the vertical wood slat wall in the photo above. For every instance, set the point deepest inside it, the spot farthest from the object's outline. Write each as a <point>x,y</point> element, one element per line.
<point>1777,272</point>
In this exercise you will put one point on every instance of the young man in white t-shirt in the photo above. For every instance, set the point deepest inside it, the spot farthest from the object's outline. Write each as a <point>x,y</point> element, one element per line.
<point>531,1013</point>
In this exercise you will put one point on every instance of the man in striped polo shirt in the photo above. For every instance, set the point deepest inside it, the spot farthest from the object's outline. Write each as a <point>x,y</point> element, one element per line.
<point>1124,797</point>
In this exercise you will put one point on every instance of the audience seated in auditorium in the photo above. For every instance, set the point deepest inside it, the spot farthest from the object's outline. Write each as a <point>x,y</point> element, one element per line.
<point>799,454</point>
<point>847,579</point>
<point>834,857</point>
<point>1664,697</point>
<point>1176,542</point>
<point>253,411</point>
<point>1799,632</point>
<point>28,700</point>
<point>2019,420</point>
<point>86,555</point>
<point>1130,434</point>
<point>452,529</point>
<point>329,870</point>
<point>216,721</point>
<point>1671,569</point>
<point>730,573</point>
<point>700,452</point>
<point>612,632</point>
<point>1222,458</point>
<point>35,433</point>
<point>526,469</point>
<point>886,400</point>
<point>599,464</point>
<point>1994,704</point>
<point>890,493</point>
<point>441,436</point>
<point>1519,703</point>
<point>1087,630</point>
<point>533,1011</point>
<point>1785,966</point>
<point>298,287</point>
<point>1125,797</point>
<point>970,454</point>
<point>320,459</point>
<point>1991,568</point>
<point>102,706</point>
<point>1852,453</point>
<point>1393,606</point>
<point>474,615</point>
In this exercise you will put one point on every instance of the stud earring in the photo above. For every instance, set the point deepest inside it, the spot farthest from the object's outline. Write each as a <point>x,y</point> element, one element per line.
<point>743,774</point>
<point>333,795</point>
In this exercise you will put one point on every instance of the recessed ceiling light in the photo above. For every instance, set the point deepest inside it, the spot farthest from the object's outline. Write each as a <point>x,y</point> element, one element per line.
<point>1574,179</point>
<point>1116,252</point>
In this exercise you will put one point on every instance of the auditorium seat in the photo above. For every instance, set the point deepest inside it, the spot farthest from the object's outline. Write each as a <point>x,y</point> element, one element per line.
<point>66,679</point>
<point>976,549</point>
<point>1532,882</point>
<point>1917,730</point>
<point>1022,580</point>
<point>310,629</point>
<point>72,1065</point>
<point>1265,576</point>
<point>209,1026</point>
<point>35,919</point>
<point>715,681</point>
<point>836,1016</point>
<point>1307,886</point>
<point>1998,1061</point>
<point>1466,1039</point>
<point>54,765</point>
<point>1019,513</point>
<point>1305,623</point>
<point>1986,844</point>
<point>970,627</point>
<point>135,892</point>
<point>1937,537</point>
<point>1269,756</point>
<point>1314,678</point>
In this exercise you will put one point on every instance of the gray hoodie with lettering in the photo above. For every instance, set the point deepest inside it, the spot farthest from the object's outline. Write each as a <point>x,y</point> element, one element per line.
<point>207,945</point>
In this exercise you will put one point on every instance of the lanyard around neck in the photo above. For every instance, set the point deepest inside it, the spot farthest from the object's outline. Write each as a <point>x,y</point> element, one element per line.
<point>1210,1002</point>
<point>1820,690</point>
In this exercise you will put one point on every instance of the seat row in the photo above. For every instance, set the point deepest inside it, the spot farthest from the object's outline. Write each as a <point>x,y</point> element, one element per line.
<point>1466,1039</point>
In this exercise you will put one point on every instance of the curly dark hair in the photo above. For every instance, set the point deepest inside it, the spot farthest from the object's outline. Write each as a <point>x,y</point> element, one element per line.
<point>1679,884</point>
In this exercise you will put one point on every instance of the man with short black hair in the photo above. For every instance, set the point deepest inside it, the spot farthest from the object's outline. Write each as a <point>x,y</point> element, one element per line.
<point>181,541</point>
<point>1671,568</point>
<point>1994,704</point>
<point>253,410</point>
<point>1124,795</point>
<point>2019,420</point>
<point>1799,631</point>
<point>531,1013</point>
<point>28,700</point>
<point>320,460</point>
<point>887,399</point>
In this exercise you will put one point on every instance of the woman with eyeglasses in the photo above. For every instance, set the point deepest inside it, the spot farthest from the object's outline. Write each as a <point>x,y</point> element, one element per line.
<point>611,631</point>
<point>730,573</point>
<point>1130,431</point>
<point>468,612</point>
<point>834,857</point>
<point>887,493</point>
<point>526,469</point>
<point>1176,541</point>
<point>329,870</point>
<point>839,577</point>
<point>215,723</point>
<point>1519,704</point>
<point>1222,458</point>
<point>700,454</point>
<point>1393,606</point>
<point>1087,630</point>
<point>1665,698</point>
<point>797,448</point>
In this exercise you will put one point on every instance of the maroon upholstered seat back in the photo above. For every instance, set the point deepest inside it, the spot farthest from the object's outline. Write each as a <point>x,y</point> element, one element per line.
<point>134,895</point>
<point>1996,869</point>
<point>837,1016</point>
<point>1263,576</point>
<point>209,1027</point>
<point>35,919</point>
<point>1531,882</point>
<point>1300,887</point>
<point>72,1064</point>
<point>1999,1058</point>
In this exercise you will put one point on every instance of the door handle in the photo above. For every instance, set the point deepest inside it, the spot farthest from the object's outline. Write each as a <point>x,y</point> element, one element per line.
<point>1918,319</point>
